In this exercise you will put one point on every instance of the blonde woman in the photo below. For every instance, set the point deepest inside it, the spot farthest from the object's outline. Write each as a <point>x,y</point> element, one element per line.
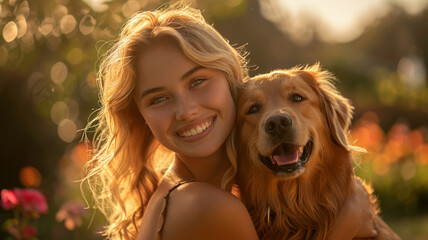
<point>168,90</point>
<point>168,85</point>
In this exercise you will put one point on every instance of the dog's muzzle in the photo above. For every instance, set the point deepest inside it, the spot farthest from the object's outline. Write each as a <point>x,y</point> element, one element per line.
<point>287,159</point>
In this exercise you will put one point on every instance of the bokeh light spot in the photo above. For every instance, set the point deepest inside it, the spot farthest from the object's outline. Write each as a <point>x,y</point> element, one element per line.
<point>67,130</point>
<point>60,11</point>
<point>421,155</point>
<point>22,26</point>
<point>10,31</point>
<point>12,2</point>
<point>30,176</point>
<point>91,79</point>
<point>59,73</point>
<point>87,25</point>
<point>67,24</point>
<point>408,170</point>
<point>80,155</point>
<point>23,9</point>
<point>75,56</point>
<point>96,5</point>
<point>233,3</point>
<point>46,26</point>
<point>130,7</point>
<point>380,165</point>
<point>74,108</point>
<point>59,112</point>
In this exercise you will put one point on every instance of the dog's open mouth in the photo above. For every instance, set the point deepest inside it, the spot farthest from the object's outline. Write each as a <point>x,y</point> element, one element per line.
<point>287,158</point>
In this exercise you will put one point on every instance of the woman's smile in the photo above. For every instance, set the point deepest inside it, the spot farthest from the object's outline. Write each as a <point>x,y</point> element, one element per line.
<point>197,131</point>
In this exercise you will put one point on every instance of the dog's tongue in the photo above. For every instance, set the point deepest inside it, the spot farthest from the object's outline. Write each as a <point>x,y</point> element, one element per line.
<point>286,156</point>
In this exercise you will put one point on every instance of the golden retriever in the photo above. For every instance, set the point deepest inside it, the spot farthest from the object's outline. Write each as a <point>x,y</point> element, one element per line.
<point>295,171</point>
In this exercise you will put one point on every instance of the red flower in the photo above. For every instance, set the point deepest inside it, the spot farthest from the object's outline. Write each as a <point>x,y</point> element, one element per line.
<point>31,200</point>
<point>29,232</point>
<point>8,199</point>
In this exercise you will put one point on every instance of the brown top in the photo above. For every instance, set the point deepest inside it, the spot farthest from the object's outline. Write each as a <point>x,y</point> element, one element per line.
<point>162,216</point>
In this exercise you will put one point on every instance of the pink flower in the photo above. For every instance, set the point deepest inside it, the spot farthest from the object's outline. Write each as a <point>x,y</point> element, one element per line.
<point>8,199</point>
<point>31,200</point>
<point>70,213</point>
<point>13,230</point>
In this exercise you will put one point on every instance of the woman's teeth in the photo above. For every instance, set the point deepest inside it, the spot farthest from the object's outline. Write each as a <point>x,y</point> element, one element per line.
<point>196,130</point>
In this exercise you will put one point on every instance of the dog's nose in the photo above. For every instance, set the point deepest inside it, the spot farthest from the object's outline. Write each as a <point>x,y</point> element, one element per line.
<point>277,124</point>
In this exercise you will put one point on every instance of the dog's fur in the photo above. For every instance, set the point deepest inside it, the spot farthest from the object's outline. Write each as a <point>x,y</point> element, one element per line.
<point>299,200</point>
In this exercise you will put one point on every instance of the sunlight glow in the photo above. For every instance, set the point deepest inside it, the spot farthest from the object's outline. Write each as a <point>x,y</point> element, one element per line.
<point>97,5</point>
<point>330,20</point>
<point>412,7</point>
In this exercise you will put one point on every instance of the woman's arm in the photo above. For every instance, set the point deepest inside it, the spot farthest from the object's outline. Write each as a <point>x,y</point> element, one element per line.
<point>356,218</point>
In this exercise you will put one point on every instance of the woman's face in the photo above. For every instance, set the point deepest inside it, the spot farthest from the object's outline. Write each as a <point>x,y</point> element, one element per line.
<point>188,108</point>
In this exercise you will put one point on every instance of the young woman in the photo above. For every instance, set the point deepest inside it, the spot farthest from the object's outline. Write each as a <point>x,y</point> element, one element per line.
<point>168,90</point>
<point>168,85</point>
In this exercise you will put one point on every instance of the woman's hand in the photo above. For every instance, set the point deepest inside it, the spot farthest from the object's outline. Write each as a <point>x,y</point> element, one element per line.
<point>356,219</point>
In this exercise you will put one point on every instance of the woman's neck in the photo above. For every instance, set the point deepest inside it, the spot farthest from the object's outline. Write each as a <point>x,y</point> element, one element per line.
<point>209,169</point>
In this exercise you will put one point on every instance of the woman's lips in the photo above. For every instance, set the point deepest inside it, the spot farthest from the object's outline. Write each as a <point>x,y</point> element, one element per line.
<point>197,130</point>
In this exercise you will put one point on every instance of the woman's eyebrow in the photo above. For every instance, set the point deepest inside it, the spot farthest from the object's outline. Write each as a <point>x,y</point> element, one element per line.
<point>152,90</point>
<point>185,75</point>
<point>191,71</point>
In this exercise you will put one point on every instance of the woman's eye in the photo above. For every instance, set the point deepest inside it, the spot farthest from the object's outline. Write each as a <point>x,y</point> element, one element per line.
<point>157,100</point>
<point>255,108</point>
<point>196,82</point>
<point>297,98</point>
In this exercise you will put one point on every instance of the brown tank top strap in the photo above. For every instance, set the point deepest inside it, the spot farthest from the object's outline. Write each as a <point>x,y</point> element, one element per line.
<point>162,216</point>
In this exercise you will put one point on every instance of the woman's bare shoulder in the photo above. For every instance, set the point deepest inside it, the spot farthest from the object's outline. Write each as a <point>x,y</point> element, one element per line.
<point>202,211</point>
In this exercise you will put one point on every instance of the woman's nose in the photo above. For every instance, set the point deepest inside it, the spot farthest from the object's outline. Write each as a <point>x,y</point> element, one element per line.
<point>187,107</point>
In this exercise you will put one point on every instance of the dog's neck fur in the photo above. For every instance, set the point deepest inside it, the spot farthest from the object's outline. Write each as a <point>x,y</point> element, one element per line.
<point>300,208</point>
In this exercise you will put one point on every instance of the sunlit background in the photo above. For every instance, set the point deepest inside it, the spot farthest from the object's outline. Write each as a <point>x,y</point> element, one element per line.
<point>377,49</point>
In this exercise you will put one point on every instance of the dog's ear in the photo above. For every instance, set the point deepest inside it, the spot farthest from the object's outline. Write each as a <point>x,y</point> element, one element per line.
<point>338,112</point>
<point>336,108</point>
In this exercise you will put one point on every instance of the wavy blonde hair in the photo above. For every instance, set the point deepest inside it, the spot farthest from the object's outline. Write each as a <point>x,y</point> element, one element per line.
<point>122,174</point>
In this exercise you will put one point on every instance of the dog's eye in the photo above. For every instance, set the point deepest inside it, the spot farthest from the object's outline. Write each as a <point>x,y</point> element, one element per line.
<point>297,98</point>
<point>254,108</point>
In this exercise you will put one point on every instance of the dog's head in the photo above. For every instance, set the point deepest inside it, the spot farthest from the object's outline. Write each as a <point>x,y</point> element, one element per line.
<point>287,117</point>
